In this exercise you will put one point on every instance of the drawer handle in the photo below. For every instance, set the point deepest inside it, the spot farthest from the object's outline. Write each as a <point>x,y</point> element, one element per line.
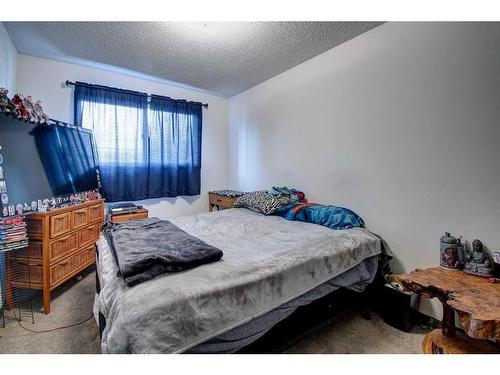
<point>64,263</point>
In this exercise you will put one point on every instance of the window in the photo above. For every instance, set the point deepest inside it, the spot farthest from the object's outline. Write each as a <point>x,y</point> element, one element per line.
<point>146,149</point>
<point>117,141</point>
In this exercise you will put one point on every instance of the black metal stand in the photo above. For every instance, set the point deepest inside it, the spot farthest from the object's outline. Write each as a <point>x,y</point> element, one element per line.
<point>17,295</point>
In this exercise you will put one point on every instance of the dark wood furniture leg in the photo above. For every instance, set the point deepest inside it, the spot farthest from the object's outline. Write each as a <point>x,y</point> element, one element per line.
<point>448,321</point>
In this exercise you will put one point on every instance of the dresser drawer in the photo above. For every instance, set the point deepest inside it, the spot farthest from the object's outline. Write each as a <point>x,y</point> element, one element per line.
<point>79,218</point>
<point>60,224</point>
<point>96,213</point>
<point>71,265</point>
<point>140,214</point>
<point>89,234</point>
<point>64,245</point>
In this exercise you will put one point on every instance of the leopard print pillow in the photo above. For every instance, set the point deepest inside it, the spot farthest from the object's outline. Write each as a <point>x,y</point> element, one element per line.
<point>262,201</point>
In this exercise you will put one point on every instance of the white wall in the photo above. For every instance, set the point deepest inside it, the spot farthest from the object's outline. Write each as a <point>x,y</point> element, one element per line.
<point>43,79</point>
<point>8,62</point>
<point>401,124</point>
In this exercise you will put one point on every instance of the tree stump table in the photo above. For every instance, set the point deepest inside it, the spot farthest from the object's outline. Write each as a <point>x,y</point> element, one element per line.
<point>475,299</point>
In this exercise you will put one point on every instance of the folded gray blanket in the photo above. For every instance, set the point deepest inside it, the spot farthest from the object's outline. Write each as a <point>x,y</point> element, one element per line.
<point>147,248</point>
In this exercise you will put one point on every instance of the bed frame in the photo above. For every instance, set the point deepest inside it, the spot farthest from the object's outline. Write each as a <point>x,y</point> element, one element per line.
<point>305,318</point>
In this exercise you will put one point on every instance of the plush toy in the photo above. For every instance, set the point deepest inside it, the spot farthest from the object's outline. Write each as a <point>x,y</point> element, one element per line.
<point>37,111</point>
<point>42,116</point>
<point>18,101</point>
<point>6,104</point>
<point>30,106</point>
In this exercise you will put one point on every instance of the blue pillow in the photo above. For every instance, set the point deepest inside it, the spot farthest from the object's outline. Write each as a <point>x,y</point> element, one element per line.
<point>329,216</point>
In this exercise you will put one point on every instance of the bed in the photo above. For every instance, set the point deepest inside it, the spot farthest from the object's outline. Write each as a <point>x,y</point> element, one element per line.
<point>270,267</point>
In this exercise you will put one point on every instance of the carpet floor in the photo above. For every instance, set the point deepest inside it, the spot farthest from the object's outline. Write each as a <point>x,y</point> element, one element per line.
<point>72,303</point>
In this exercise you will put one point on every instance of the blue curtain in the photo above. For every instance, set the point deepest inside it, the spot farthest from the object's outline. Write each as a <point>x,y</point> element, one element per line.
<point>175,147</point>
<point>145,149</point>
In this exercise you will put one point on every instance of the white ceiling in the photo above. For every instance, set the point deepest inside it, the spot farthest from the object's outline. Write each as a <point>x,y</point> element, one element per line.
<point>224,58</point>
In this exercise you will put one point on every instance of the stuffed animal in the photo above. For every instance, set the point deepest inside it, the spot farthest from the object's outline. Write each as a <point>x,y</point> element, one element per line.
<point>22,112</point>
<point>30,106</point>
<point>42,116</point>
<point>6,104</point>
<point>37,111</point>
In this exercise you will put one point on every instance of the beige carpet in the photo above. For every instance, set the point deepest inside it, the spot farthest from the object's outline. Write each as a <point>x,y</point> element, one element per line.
<point>351,334</point>
<point>72,303</point>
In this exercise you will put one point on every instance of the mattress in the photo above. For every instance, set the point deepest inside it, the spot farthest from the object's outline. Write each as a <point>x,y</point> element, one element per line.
<point>268,262</point>
<point>356,279</point>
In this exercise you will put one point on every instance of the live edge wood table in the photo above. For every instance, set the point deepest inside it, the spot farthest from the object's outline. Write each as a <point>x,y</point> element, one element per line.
<point>475,299</point>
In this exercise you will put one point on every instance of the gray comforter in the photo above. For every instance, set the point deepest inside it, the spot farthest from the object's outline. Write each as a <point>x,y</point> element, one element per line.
<point>268,261</point>
<point>147,248</point>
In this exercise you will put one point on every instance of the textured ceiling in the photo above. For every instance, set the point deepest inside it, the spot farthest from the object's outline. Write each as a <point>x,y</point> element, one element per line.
<point>223,58</point>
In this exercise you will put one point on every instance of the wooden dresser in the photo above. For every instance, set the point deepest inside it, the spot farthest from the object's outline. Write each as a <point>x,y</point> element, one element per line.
<point>61,244</point>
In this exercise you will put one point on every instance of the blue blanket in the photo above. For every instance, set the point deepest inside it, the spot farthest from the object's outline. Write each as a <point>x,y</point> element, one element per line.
<point>329,216</point>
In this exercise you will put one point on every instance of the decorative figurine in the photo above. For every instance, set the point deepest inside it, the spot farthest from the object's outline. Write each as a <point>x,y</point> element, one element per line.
<point>6,104</point>
<point>19,209</point>
<point>477,261</point>
<point>91,196</point>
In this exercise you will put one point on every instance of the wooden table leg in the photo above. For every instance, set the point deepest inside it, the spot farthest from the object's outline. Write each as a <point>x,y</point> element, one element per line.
<point>448,321</point>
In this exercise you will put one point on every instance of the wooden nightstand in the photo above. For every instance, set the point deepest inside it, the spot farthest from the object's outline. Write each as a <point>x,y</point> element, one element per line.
<point>220,202</point>
<point>139,214</point>
<point>476,301</point>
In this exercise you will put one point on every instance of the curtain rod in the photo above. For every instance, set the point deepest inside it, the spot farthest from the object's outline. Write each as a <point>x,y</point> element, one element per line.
<point>69,83</point>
